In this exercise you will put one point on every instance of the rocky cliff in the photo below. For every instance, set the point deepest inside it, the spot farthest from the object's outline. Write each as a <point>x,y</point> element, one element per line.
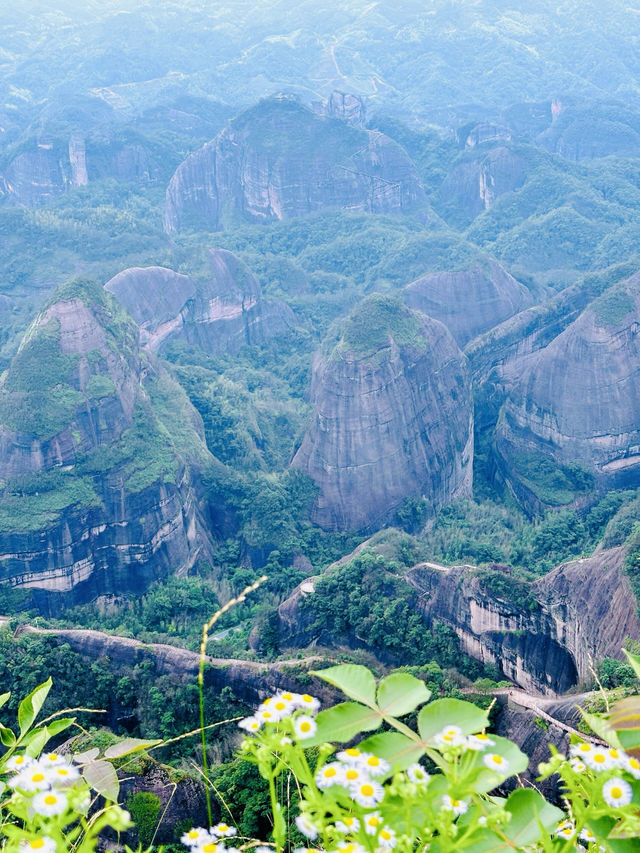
<point>221,315</point>
<point>279,160</point>
<point>575,401</point>
<point>393,417</point>
<point>469,302</point>
<point>100,452</point>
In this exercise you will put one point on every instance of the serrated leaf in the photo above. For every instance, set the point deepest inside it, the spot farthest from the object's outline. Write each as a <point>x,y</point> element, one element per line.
<point>399,750</point>
<point>127,746</point>
<point>30,706</point>
<point>343,722</point>
<point>531,815</point>
<point>102,777</point>
<point>436,716</point>
<point>400,693</point>
<point>355,681</point>
<point>85,757</point>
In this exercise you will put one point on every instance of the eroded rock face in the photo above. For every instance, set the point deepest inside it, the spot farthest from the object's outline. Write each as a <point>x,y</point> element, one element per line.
<point>469,302</point>
<point>279,161</point>
<point>220,315</point>
<point>391,421</point>
<point>95,497</point>
<point>474,184</point>
<point>577,401</point>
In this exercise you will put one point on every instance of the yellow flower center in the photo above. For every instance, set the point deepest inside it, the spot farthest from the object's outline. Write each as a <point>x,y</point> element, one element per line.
<point>352,752</point>
<point>37,777</point>
<point>305,726</point>
<point>384,833</point>
<point>53,756</point>
<point>280,706</point>
<point>62,771</point>
<point>599,758</point>
<point>223,827</point>
<point>373,761</point>
<point>38,844</point>
<point>455,803</point>
<point>585,747</point>
<point>366,790</point>
<point>633,762</point>
<point>616,793</point>
<point>50,800</point>
<point>373,820</point>
<point>496,759</point>
<point>307,698</point>
<point>614,753</point>
<point>352,774</point>
<point>193,833</point>
<point>210,847</point>
<point>329,772</point>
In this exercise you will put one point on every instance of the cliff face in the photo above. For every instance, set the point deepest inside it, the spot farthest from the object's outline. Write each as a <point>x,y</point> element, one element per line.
<point>99,458</point>
<point>469,302</point>
<point>475,183</point>
<point>221,315</point>
<point>594,359</point>
<point>392,418</point>
<point>279,161</point>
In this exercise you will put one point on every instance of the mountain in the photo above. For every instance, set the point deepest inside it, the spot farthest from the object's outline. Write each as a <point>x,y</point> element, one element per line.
<point>221,314</point>
<point>572,414</point>
<point>279,160</point>
<point>392,419</point>
<point>100,455</point>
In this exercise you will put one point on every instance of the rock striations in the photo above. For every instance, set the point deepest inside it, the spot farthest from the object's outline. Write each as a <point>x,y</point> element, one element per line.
<point>393,417</point>
<point>279,160</point>
<point>99,456</point>
<point>221,315</point>
<point>469,302</point>
<point>577,401</point>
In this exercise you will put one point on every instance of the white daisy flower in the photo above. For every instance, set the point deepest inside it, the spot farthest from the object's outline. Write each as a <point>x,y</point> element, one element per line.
<point>285,741</point>
<point>617,757</point>
<point>617,792</point>
<point>351,756</point>
<point>367,793</point>
<point>304,727</point>
<point>223,829</point>
<point>372,823</point>
<point>479,742</point>
<point>587,835</point>
<point>350,847</point>
<point>565,829</point>
<point>52,759</point>
<point>210,846</point>
<point>266,716</point>
<point>195,836</point>
<point>577,765</point>
<point>353,775</point>
<point>250,724</point>
<point>496,762</point>
<point>330,774</point>
<point>375,766</point>
<point>580,749</point>
<point>632,765</point>
<point>306,827</point>
<point>307,703</point>
<point>455,806</point>
<point>417,774</point>
<point>63,774</point>
<point>32,779</point>
<point>49,803</point>
<point>387,838</point>
<point>449,736</point>
<point>19,762</point>
<point>40,844</point>
<point>348,825</point>
<point>280,707</point>
<point>599,759</point>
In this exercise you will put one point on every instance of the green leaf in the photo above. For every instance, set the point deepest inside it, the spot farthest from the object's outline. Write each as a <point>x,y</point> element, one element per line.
<point>487,841</point>
<point>343,722</point>
<point>56,726</point>
<point>35,741</point>
<point>355,681</point>
<point>86,757</point>
<point>450,712</point>
<point>484,778</point>
<point>601,728</point>
<point>399,750</point>
<point>7,736</point>
<point>30,706</point>
<point>603,826</point>
<point>127,746</point>
<point>4,698</point>
<point>102,777</point>
<point>624,719</point>
<point>401,693</point>
<point>531,815</point>
<point>634,662</point>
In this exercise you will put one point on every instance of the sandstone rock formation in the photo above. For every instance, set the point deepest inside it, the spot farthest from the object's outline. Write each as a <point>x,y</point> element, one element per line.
<point>220,315</point>
<point>477,180</point>
<point>393,417</point>
<point>576,401</point>
<point>99,458</point>
<point>278,161</point>
<point>469,302</point>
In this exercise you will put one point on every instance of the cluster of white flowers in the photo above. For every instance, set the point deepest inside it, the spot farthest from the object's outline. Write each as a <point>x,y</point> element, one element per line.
<point>616,791</point>
<point>282,705</point>
<point>44,777</point>
<point>211,840</point>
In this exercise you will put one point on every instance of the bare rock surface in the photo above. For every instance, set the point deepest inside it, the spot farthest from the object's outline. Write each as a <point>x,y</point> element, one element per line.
<point>279,160</point>
<point>469,302</point>
<point>393,417</point>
